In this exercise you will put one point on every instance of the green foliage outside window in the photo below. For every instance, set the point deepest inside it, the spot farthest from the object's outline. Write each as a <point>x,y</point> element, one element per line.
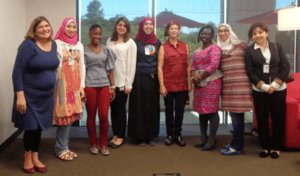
<point>95,15</point>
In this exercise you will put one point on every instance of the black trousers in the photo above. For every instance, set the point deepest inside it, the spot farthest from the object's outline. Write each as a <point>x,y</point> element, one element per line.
<point>118,114</point>
<point>32,140</point>
<point>179,98</point>
<point>266,105</point>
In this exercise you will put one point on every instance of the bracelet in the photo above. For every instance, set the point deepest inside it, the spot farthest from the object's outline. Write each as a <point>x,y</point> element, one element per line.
<point>112,87</point>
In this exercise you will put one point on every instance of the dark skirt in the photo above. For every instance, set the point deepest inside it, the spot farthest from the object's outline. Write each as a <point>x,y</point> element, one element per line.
<point>144,108</point>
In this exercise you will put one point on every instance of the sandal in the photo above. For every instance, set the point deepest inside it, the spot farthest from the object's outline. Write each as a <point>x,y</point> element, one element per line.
<point>94,150</point>
<point>72,154</point>
<point>65,156</point>
<point>104,152</point>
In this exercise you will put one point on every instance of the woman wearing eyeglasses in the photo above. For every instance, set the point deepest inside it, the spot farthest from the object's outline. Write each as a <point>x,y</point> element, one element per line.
<point>236,89</point>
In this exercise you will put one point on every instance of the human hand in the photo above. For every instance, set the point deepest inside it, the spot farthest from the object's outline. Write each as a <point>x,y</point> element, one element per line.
<point>163,91</point>
<point>271,90</point>
<point>190,87</point>
<point>82,94</point>
<point>112,92</point>
<point>196,82</point>
<point>127,91</point>
<point>21,102</point>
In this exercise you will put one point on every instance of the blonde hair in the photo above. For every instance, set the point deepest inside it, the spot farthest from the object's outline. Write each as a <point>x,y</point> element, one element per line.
<point>32,29</point>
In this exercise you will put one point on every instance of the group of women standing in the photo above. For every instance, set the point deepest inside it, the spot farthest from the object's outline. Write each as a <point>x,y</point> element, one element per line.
<point>103,76</point>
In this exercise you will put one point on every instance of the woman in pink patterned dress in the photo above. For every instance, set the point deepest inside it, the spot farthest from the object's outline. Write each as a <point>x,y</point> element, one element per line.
<point>207,90</point>
<point>69,87</point>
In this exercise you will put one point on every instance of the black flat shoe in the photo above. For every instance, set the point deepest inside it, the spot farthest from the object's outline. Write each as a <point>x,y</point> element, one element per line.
<point>200,143</point>
<point>169,140</point>
<point>113,145</point>
<point>264,154</point>
<point>110,144</point>
<point>179,140</point>
<point>207,148</point>
<point>275,154</point>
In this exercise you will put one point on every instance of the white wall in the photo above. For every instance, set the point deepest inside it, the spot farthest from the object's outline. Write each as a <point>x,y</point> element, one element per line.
<point>12,32</point>
<point>15,19</point>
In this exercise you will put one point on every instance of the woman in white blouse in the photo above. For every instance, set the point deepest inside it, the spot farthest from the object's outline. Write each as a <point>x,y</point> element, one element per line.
<point>267,68</point>
<point>125,49</point>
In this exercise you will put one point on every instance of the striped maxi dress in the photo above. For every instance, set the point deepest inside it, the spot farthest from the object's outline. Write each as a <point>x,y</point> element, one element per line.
<point>236,90</point>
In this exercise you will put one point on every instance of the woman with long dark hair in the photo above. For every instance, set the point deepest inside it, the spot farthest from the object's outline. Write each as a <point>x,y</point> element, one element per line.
<point>125,50</point>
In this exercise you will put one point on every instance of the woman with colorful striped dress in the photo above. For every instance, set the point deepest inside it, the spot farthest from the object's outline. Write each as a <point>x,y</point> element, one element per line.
<point>236,90</point>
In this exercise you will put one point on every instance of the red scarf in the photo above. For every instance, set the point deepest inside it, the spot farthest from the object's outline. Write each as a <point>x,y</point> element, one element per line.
<point>141,35</point>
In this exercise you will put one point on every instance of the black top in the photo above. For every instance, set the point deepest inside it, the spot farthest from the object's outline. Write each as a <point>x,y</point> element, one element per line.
<point>254,61</point>
<point>147,57</point>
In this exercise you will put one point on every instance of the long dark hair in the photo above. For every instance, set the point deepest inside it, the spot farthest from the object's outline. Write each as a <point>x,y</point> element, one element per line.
<point>114,34</point>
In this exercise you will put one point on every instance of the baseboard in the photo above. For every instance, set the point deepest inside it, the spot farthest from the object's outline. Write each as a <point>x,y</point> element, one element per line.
<point>11,139</point>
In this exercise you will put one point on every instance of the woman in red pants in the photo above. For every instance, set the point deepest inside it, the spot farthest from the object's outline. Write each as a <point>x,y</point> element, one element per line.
<point>100,88</point>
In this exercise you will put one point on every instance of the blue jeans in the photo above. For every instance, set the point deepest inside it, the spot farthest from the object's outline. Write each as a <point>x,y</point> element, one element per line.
<point>238,131</point>
<point>62,138</point>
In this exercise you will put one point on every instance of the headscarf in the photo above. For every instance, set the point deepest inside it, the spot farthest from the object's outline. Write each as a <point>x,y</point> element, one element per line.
<point>141,35</point>
<point>61,35</point>
<point>230,42</point>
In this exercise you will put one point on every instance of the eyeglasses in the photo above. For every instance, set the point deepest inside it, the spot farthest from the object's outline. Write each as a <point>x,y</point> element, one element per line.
<point>220,31</point>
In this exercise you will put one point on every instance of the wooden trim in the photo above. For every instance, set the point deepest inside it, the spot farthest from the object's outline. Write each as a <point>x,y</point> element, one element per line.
<point>10,140</point>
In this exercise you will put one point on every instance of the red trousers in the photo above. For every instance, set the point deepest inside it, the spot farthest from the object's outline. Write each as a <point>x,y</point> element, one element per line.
<point>97,97</point>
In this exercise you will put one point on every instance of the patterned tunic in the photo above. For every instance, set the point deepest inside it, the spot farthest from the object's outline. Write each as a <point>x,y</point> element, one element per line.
<point>68,105</point>
<point>236,91</point>
<point>206,99</point>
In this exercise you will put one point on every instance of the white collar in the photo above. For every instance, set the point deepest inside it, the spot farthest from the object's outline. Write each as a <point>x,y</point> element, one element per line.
<point>256,46</point>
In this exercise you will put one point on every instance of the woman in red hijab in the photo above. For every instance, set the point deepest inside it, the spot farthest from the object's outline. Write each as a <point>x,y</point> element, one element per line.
<point>144,112</point>
<point>69,87</point>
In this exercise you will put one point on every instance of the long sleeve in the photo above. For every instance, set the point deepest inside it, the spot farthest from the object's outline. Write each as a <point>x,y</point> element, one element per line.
<point>130,63</point>
<point>111,59</point>
<point>215,55</point>
<point>59,53</point>
<point>25,53</point>
<point>249,67</point>
<point>81,65</point>
<point>284,65</point>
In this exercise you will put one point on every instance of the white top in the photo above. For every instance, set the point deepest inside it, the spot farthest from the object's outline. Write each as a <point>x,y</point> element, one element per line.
<point>63,45</point>
<point>267,55</point>
<point>125,64</point>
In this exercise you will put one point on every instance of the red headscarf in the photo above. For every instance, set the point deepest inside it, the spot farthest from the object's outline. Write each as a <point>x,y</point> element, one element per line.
<point>147,39</point>
<point>61,35</point>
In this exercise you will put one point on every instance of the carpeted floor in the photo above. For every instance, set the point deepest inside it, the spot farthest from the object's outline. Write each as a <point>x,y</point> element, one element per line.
<point>132,160</point>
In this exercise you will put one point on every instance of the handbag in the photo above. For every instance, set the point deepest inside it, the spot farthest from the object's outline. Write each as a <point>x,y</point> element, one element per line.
<point>290,77</point>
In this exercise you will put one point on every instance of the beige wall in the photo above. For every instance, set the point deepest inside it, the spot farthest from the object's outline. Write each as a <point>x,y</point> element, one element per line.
<point>15,19</point>
<point>54,10</point>
<point>12,27</point>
